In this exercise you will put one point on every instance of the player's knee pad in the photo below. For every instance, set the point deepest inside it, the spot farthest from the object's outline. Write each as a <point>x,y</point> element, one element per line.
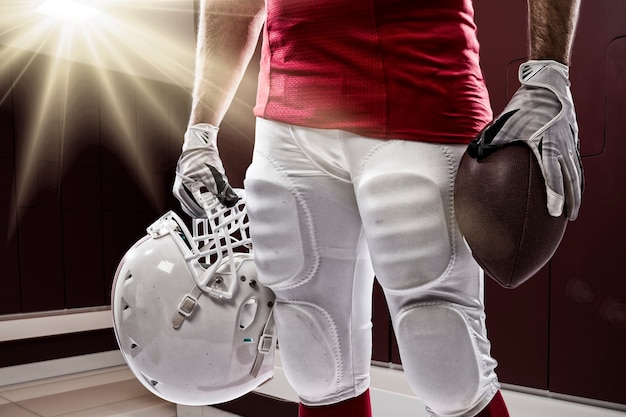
<point>281,233</point>
<point>406,221</point>
<point>443,359</point>
<point>311,354</point>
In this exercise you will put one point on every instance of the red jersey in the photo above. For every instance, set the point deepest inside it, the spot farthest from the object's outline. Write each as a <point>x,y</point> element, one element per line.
<point>406,69</point>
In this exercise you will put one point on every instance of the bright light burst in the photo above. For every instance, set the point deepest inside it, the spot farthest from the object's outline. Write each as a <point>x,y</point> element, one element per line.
<point>68,10</point>
<point>130,36</point>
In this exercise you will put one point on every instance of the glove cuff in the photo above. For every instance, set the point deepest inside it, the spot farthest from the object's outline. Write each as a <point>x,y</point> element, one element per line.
<point>200,135</point>
<point>530,68</point>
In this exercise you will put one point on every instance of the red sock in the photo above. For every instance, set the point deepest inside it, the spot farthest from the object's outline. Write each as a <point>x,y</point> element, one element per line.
<point>495,408</point>
<point>354,407</point>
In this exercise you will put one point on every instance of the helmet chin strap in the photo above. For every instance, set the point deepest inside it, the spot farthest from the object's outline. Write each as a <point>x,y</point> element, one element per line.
<point>266,342</point>
<point>186,307</point>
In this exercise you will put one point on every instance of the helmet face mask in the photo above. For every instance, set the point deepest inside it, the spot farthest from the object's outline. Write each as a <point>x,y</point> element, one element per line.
<point>191,320</point>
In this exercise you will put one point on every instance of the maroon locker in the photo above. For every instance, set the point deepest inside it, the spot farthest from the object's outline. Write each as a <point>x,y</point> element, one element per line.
<point>38,165</point>
<point>81,188</point>
<point>118,125</point>
<point>588,290</point>
<point>518,329</point>
<point>575,307</point>
<point>10,294</point>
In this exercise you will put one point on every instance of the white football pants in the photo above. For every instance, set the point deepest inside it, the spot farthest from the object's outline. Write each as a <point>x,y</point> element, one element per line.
<point>317,200</point>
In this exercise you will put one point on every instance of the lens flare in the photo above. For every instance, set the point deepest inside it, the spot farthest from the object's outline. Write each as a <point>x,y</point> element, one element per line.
<point>145,39</point>
<point>68,10</point>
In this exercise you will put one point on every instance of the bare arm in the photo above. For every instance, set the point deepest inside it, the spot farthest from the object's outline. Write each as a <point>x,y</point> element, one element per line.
<point>552,27</point>
<point>227,36</point>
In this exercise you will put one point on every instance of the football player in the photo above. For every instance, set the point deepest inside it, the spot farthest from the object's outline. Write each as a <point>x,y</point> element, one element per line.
<point>364,109</point>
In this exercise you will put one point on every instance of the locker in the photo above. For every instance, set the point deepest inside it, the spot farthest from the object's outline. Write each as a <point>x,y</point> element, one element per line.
<point>565,331</point>
<point>588,290</point>
<point>10,294</point>
<point>118,124</point>
<point>81,188</point>
<point>518,328</point>
<point>38,165</point>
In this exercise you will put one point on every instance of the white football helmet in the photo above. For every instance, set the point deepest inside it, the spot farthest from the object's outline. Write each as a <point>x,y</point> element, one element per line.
<point>191,320</point>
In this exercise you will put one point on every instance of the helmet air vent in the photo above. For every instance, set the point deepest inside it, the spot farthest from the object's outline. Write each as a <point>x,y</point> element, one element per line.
<point>248,313</point>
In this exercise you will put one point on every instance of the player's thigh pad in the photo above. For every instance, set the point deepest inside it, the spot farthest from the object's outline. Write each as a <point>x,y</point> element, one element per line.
<point>279,220</point>
<point>433,286</point>
<point>286,259</point>
<point>405,194</point>
<point>306,235</point>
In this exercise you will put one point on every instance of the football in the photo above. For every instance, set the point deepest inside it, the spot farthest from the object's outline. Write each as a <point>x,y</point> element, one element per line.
<point>500,203</point>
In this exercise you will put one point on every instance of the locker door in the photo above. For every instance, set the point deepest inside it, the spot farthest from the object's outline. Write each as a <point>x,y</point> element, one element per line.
<point>38,164</point>
<point>81,188</point>
<point>588,291</point>
<point>10,294</point>
<point>570,316</point>
<point>118,125</point>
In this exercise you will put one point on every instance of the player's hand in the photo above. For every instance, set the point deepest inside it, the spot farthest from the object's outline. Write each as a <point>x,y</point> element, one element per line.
<point>199,170</point>
<point>541,113</point>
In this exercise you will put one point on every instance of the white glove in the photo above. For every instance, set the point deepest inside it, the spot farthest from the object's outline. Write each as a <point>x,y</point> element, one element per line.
<point>541,114</point>
<point>200,170</point>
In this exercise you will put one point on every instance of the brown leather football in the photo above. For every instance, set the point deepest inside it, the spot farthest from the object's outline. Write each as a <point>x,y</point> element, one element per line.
<point>500,203</point>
